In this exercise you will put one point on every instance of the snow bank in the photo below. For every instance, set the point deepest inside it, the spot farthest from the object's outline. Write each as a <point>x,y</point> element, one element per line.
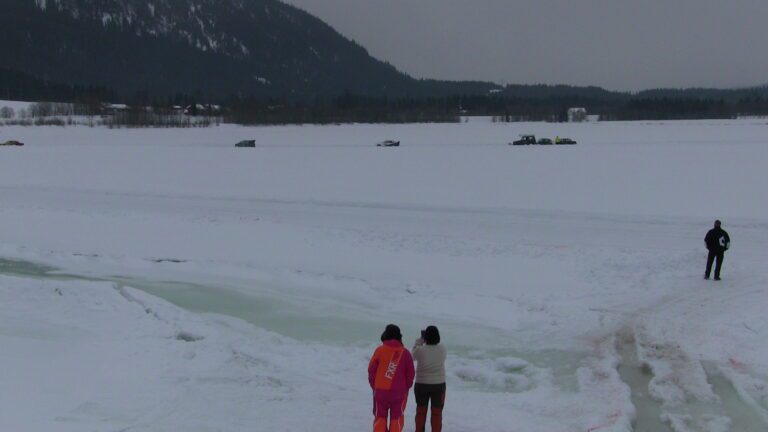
<point>100,356</point>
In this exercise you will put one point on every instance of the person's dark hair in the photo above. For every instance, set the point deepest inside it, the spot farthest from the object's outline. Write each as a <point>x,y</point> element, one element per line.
<point>717,223</point>
<point>431,335</point>
<point>391,332</point>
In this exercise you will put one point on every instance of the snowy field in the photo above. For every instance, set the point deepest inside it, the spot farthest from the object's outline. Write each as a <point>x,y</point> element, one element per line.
<point>158,280</point>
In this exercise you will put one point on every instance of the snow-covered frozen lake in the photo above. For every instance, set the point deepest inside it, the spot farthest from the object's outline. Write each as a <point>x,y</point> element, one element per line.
<point>155,280</point>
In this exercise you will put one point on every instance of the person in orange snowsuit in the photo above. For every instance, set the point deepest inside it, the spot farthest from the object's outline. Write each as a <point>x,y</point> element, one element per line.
<point>390,374</point>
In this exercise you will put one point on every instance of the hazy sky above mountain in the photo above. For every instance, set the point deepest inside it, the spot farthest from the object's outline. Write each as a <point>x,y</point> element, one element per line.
<point>617,44</point>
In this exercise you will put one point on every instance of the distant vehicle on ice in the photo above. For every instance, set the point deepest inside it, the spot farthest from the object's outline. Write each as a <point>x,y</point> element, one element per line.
<point>388,143</point>
<point>559,140</point>
<point>12,143</point>
<point>525,140</point>
<point>246,143</point>
<point>531,139</point>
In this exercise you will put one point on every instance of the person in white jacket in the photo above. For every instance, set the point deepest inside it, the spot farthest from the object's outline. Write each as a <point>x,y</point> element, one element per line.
<point>429,356</point>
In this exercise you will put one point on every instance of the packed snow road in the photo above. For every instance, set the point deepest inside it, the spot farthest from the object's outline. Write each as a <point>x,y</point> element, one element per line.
<point>158,280</point>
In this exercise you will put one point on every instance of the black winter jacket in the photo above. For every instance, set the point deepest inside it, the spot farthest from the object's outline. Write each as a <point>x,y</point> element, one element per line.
<point>717,240</point>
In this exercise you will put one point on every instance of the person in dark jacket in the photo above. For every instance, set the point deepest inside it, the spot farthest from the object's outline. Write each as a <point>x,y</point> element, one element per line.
<point>717,241</point>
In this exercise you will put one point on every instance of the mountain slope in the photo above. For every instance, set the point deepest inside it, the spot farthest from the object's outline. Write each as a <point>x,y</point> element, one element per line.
<point>206,47</point>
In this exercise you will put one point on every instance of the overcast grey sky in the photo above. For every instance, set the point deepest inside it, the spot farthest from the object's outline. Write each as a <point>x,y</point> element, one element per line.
<point>617,44</point>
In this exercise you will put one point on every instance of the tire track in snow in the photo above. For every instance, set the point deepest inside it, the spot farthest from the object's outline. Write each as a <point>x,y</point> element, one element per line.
<point>671,388</point>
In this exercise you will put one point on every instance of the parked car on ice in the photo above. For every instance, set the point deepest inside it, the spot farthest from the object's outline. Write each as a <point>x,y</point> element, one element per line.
<point>246,143</point>
<point>531,139</point>
<point>525,140</point>
<point>12,143</point>
<point>388,143</point>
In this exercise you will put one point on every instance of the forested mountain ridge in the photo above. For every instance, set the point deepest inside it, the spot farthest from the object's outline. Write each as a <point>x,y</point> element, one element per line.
<point>253,52</point>
<point>211,48</point>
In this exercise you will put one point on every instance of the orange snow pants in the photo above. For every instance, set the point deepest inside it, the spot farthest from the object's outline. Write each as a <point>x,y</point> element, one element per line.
<point>386,404</point>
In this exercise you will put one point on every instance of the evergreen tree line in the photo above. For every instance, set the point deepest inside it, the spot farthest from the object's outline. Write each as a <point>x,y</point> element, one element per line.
<point>347,108</point>
<point>514,103</point>
<point>19,86</point>
<point>364,109</point>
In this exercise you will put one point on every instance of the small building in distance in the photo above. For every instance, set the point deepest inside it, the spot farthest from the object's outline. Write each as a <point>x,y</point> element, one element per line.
<point>576,115</point>
<point>114,109</point>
